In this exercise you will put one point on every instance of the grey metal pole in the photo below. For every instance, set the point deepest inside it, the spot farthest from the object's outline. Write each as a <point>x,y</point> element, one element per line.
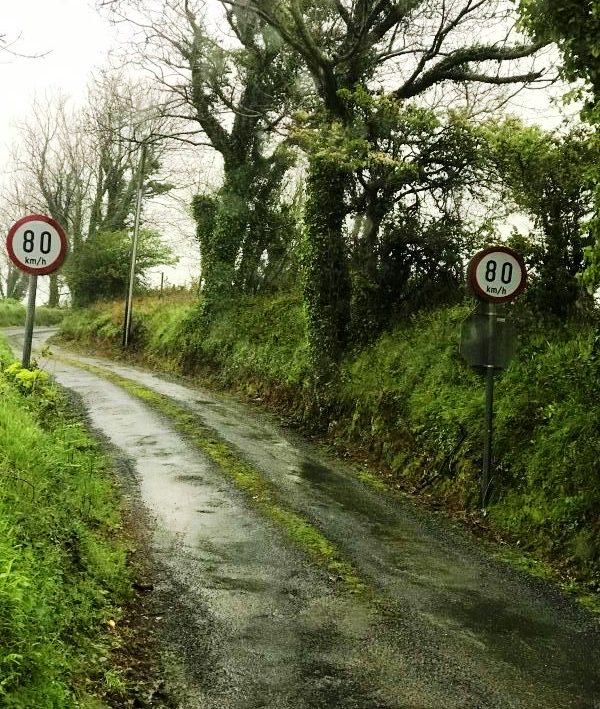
<point>136,232</point>
<point>487,473</point>
<point>29,320</point>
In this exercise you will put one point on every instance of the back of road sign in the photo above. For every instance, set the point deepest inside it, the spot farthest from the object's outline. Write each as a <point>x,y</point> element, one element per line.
<point>475,342</point>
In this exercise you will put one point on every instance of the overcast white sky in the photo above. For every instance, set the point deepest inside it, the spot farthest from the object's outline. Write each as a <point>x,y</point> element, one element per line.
<point>74,40</point>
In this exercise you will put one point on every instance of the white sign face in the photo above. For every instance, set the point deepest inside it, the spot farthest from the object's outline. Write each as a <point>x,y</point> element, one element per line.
<point>37,244</point>
<point>497,274</point>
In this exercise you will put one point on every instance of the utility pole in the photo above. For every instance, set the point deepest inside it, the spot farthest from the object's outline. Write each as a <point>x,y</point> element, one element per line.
<point>134,246</point>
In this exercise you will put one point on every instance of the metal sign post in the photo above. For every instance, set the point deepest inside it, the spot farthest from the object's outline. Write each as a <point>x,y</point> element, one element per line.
<point>486,476</point>
<point>37,245</point>
<point>29,320</point>
<point>496,275</point>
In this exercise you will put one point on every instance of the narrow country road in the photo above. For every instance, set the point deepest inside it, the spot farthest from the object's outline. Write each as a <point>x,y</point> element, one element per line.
<point>252,621</point>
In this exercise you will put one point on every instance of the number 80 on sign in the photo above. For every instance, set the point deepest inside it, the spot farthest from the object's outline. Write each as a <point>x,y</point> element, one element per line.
<point>37,244</point>
<point>497,274</point>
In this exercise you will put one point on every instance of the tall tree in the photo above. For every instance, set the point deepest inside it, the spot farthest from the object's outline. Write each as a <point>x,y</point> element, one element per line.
<point>402,51</point>
<point>83,167</point>
<point>575,27</point>
<point>546,176</point>
<point>49,160</point>
<point>232,91</point>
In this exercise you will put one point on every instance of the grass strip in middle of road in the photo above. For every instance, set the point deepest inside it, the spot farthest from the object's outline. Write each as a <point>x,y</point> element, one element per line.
<point>260,493</point>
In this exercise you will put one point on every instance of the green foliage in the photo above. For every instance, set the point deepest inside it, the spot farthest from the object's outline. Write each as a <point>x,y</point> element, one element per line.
<point>204,208</point>
<point>547,176</point>
<point>27,380</point>
<point>575,26</point>
<point>376,156</point>
<point>94,324</point>
<point>408,399</point>
<point>246,231</point>
<point>553,469</point>
<point>259,342</point>
<point>325,269</point>
<point>100,268</point>
<point>590,278</point>
<point>408,172</point>
<point>12,312</point>
<point>62,568</point>
<point>49,316</point>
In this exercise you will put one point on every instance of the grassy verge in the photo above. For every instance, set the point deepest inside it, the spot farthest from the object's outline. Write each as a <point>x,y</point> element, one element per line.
<point>63,571</point>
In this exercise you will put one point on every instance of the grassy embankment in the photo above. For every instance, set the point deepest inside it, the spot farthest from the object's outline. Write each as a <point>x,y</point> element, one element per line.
<point>63,570</point>
<point>13,313</point>
<point>410,406</point>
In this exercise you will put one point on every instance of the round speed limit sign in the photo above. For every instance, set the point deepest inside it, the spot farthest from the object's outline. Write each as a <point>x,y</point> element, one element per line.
<point>497,274</point>
<point>37,244</point>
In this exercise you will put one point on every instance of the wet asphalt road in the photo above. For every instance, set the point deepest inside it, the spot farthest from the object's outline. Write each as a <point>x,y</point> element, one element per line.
<point>252,623</point>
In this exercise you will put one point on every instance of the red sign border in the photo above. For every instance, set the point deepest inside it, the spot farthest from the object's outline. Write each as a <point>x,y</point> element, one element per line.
<point>44,271</point>
<point>472,274</point>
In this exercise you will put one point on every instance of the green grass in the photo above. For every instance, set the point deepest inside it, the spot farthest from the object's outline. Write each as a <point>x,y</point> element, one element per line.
<point>13,313</point>
<point>411,401</point>
<point>49,316</point>
<point>63,567</point>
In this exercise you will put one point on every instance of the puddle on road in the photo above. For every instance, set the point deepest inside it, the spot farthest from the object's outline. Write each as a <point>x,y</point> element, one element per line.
<point>237,583</point>
<point>526,640</point>
<point>147,441</point>
<point>493,617</point>
<point>265,438</point>
<point>315,473</point>
<point>347,493</point>
<point>195,479</point>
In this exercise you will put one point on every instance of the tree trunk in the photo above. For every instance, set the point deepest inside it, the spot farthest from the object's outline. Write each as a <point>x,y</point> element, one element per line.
<point>53,295</point>
<point>367,308</point>
<point>326,278</point>
<point>219,260</point>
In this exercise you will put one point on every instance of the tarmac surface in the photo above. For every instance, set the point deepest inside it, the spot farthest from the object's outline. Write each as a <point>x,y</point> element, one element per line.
<point>252,622</point>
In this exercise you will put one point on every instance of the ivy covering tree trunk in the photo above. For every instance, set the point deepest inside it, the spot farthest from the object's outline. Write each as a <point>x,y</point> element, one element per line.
<point>229,226</point>
<point>53,295</point>
<point>326,279</point>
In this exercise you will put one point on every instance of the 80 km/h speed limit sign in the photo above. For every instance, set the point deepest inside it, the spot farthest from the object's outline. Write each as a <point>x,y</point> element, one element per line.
<point>37,244</point>
<point>497,274</point>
